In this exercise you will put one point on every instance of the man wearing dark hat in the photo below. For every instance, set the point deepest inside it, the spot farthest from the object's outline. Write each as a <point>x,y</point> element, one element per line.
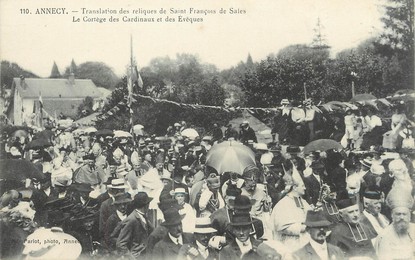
<point>313,182</point>
<point>230,132</point>
<point>317,249</point>
<point>222,217</point>
<point>78,193</point>
<point>244,246</point>
<point>217,133</point>
<point>292,154</point>
<point>107,207</point>
<point>350,235</point>
<point>372,201</point>
<point>135,229</point>
<point>200,249</point>
<point>120,203</point>
<point>247,133</point>
<point>169,246</point>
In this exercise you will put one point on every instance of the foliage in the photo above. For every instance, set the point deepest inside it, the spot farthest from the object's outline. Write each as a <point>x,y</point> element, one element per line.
<point>399,25</point>
<point>55,74</point>
<point>10,70</point>
<point>100,73</point>
<point>183,80</point>
<point>85,108</point>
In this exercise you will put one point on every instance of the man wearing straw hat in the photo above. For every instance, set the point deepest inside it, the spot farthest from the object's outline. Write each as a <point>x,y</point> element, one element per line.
<point>201,249</point>
<point>319,228</point>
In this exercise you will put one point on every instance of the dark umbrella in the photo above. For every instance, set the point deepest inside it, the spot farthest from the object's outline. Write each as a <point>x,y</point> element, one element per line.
<point>45,134</point>
<point>362,97</point>
<point>38,144</point>
<point>15,169</point>
<point>322,145</point>
<point>230,156</point>
<point>404,95</point>
<point>104,132</point>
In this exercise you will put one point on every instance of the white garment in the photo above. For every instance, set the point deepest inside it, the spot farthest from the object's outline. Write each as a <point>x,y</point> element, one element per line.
<point>375,223</point>
<point>176,240</point>
<point>189,220</point>
<point>321,249</point>
<point>120,215</point>
<point>245,247</point>
<point>203,250</point>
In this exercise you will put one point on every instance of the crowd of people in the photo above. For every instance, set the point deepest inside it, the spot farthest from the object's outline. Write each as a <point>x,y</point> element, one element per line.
<point>102,196</point>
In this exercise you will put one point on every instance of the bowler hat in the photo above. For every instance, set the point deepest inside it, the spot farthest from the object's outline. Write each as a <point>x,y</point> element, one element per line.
<point>141,199</point>
<point>293,149</point>
<point>122,198</point>
<point>242,202</point>
<point>316,219</point>
<point>243,219</point>
<point>81,187</point>
<point>172,217</point>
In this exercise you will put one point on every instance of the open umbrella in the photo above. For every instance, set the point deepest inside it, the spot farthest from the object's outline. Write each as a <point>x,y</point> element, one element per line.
<point>38,144</point>
<point>90,130</point>
<point>138,129</point>
<point>20,133</point>
<point>190,133</point>
<point>362,97</point>
<point>230,156</point>
<point>322,145</point>
<point>104,132</point>
<point>15,169</point>
<point>120,133</point>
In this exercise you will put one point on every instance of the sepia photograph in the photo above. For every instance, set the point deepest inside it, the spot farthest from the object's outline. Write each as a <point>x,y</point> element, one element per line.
<point>220,130</point>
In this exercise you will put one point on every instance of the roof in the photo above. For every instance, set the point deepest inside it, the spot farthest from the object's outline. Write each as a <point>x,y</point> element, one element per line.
<point>66,107</point>
<point>56,88</point>
<point>88,120</point>
<point>105,92</point>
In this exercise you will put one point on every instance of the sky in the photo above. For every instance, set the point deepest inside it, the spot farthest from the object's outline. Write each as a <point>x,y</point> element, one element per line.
<point>35,41</point>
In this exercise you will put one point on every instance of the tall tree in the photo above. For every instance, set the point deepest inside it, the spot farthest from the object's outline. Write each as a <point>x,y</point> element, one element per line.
<point>10,70</point>
<point>399,24</point>
<point>55,74</point>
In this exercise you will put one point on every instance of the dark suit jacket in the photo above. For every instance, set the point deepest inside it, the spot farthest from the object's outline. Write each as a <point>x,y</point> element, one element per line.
<point>105,211</point>
<point>232,251</point>
<point>213,254</point>
<point>111,224</point>
<point>307,252</point>
<point>312,191</point>
<point>133,235</point>
<point>166,249</point>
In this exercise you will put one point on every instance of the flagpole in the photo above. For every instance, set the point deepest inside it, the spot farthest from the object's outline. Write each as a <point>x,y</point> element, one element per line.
<point>41,110</point>
<point>130,90</point>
